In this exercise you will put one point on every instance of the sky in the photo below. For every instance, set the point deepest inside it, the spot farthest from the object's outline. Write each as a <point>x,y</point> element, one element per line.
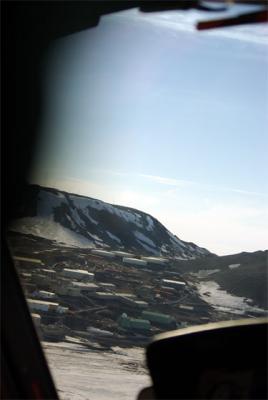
<point>145,111</point>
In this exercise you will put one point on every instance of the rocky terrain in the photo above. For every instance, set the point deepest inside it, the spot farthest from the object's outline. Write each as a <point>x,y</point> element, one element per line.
<point>85,222</point>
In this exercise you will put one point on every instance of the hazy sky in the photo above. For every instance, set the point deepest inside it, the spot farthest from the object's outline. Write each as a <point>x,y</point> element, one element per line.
<point>145,111</point>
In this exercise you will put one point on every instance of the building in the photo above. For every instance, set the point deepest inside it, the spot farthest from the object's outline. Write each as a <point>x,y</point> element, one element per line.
<point>122,254</point>
<point>49,272</point>
<point>161,319</point>
<point>45,306</point>
<point>134,261</point>
<point>79,274</point>
<point>133,324</point>
<point>106,285</point>
<point>184,307</point>
<point>90,287</point>
<point>26,262</point>
<point>141,304</point>
<point>103,253</point>
<point>151,261</point>
<point>106,296</point>
<point>43,294</point>
<point>175,284</point>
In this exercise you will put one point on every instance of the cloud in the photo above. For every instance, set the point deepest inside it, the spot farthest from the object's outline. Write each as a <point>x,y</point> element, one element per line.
<point>166,181</point>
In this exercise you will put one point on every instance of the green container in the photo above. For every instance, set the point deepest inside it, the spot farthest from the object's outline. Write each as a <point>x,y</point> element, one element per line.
<point>158,318</point>
<point>134,323</point>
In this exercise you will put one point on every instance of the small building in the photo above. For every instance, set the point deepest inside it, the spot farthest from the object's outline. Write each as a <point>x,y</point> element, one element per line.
<point>175,284</point>
<point>126,298</point>
<point>49,272</point>
<point>155,260</point>
<point>43,294</point>
<point>141,304</point>
<point>185,307</point>
<point>162,319</point>
<point>106,285</point>
<point>77,274</point>
<point>106,296</point>
<point>25,262</point>
<point>133,324</point>
<point>103,253</point>
<point>45,306</point>
<point>92,287</point>
<point>69,291</point>
<point>122,254</point>
<point>134,261</point>
<point>41,305</point>
<point>169,289</point>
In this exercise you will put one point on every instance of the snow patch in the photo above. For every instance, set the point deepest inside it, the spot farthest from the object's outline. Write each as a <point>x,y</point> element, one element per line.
<point>143,238</point>
<point>224,301</point>
<point>234,266</point>
<point>113,237</point>
<point>148,248</point>
<point>150,223</point>
<point>49,229</point>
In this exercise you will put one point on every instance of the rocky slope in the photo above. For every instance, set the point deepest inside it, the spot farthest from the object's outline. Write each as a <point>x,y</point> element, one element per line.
<point>86,222</point>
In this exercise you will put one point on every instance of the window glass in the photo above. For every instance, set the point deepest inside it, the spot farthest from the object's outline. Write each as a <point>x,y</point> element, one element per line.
<point>146,209</point>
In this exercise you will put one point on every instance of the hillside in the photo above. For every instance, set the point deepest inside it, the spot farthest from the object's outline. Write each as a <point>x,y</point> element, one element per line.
<point>86,222</point>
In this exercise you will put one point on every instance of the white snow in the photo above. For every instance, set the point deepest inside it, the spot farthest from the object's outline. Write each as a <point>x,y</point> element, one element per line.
<point>95,237</point>
<point>224,301</point>
<point>148,248</point>
<point>113,237</point>
<point>92,220</point>
<point>203,273</point>
<point>140,236</point>
<point>71,221</point>
<point>150,222</point>
<point>77,217</point>
<point>233,266</point>
<point>49,229</point>
<point>82,374</point>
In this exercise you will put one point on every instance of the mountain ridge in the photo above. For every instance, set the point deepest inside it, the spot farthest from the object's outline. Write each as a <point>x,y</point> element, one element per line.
<point>102,224</point>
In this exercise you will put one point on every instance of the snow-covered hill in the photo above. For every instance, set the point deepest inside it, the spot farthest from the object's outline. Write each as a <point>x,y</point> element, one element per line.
<point>85,222</point>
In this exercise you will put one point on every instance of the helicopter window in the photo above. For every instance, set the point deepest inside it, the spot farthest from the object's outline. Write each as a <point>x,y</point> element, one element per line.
<point>146,208</point>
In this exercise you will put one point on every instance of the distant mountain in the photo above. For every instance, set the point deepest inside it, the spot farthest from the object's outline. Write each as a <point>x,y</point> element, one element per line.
<point>243,274</point>
<point>86,222</point>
